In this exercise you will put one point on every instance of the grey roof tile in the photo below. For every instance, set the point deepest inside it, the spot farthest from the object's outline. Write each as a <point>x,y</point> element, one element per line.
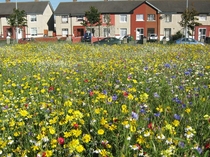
<point>29,7</point>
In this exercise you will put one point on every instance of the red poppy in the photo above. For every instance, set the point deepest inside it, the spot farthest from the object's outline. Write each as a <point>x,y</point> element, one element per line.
<point>76,126</point>
<point>207,146</point>
<point>51,88</point>
<point>61,140</point>
<point>44,154</point>
<point>26,105</point>
<point>91,93</point>
<point>150,126</point>
<point>125,94</point>
<point>86,80</point>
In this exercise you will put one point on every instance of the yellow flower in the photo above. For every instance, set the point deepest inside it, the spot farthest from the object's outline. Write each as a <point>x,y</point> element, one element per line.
<point>144,97</point>
<point>124,109</point>
<point>188,110</point>
<point>97,110</point>
<point>23,113</point>
<point>80,148</point>
<point>160,109</point>
<point>49,153</point>
<point>130,96</point>
<point>52,130</point>
<point>176,123</point>
<point>68,103</point>
<point>42,90</point>
<point>86,138</point>
<point>100,131</point>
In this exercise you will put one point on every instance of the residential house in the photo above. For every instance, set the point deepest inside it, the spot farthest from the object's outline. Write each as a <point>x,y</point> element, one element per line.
<point>136,18</point>
<point>170,16</point>
<point>40,19</point>
<point>69,16</point>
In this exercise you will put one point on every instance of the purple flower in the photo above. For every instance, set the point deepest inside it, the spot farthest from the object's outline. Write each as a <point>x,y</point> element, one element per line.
<point>157,114</point>
<point>134,115</point>
<point>177,117</point>
<point>181,144</point>
<point>199,150</point>
<point>167,65</point>
<point>114,97</point>
<point>142,111</point>
<point>156,95</point>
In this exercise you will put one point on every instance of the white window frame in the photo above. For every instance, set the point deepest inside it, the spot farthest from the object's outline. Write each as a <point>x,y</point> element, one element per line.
<point>202,17</point>
<point>150,17</point>
<point>123,18</point>
<point>33,18</point>
<point>139,17</point>
<point>106,32</point>
<point>34,31</point>
<point>80,18</point>
<point>64,19</point>
<point>65,32</point>
<point>168,18</point>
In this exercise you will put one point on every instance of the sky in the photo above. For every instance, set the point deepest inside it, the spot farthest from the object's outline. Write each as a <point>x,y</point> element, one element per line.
<point>54,3</point>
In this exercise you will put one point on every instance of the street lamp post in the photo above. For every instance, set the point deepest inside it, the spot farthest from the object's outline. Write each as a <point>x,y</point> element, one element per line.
<point>185,21</point>
<point>16,22</point>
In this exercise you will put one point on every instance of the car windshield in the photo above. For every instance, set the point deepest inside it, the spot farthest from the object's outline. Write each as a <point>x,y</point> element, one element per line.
<point>153,35</point>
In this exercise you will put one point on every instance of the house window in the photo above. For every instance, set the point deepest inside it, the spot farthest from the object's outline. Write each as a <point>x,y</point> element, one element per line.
<point>202,17</point>
<point>123,18</point>
<point>168,17</point>
<point>139,17</point>
<point>64,18</point>
<point>33,18</point>
<point>106,18</point>
<point>65,32</point>
<point>106,32</point>
<point>33,31</point>
<point>150,17</point>
<point>79,18</point>
<point>123,32</point>
<point>202,33</point>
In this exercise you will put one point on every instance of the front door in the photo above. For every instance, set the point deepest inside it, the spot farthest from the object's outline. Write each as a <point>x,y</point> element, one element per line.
<point>202,34</point>
<point>139,33</point>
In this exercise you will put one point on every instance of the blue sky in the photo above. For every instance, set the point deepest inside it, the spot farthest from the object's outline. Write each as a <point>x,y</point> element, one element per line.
<point>53,2</point>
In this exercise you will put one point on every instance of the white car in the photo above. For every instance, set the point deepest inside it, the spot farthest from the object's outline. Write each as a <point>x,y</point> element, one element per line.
<point>153,37</point>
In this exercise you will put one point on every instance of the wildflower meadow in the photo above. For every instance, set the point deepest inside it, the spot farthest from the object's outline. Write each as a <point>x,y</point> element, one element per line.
<point>77,100</point>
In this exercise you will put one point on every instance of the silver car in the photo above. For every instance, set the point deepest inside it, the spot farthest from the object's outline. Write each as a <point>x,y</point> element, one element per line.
<point>188,41</point>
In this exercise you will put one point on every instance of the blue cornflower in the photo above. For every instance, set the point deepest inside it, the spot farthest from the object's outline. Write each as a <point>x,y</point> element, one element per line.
<point>134,115</point>
<point>177,117</point>
<point>157,114</point>
<point>143,110</point>
<point>114,97</point>
<point>156,95</point>
<point>167,65</point>
<point>181,144</point>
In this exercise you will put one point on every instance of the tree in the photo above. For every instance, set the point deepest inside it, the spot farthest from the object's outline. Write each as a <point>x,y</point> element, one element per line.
<point>93,18</point>
<point>189,20</point>
<point>17,19</point>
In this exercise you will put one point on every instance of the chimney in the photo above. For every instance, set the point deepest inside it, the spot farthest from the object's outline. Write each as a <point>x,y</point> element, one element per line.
<point>7,1</point>
<point>74,0</point>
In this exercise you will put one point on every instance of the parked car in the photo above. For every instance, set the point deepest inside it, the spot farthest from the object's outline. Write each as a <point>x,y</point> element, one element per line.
<point>188,41</point>
<point>153,37</point>
<point>86,37</point>
<point>108,41</point>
